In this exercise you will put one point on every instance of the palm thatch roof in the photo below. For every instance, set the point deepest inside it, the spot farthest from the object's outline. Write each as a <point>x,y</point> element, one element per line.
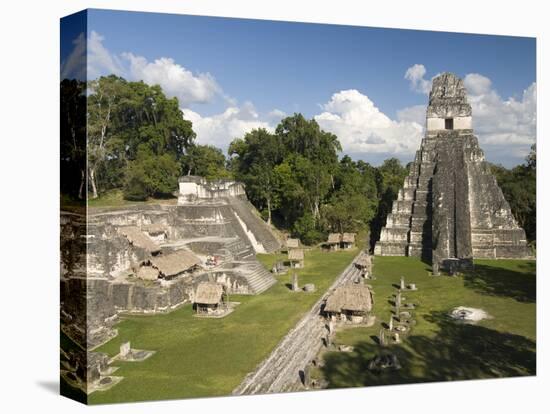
<point>208,293</point>
<point>348,238</point>
<point>137,238</point>
<point>292,243</point>
<point>175,263</point>
<point>349,297</point>
<point>148,273</point>
<point>296,255</point>
<point>333,238</point>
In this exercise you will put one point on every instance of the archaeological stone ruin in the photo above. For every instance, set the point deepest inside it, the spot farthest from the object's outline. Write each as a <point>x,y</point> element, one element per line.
<point>152,258</point>
<point>451,209</point>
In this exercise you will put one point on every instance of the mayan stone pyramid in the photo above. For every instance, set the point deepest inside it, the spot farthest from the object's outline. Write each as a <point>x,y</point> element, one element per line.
<point>451,208</point>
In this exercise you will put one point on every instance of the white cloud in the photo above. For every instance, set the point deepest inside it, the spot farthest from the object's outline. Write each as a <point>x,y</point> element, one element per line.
<point>502,122</point>
<point>363,129</point>
<point>174,79</point>
<point>416,113</point>
<point>221,129</point>
<point>74,67</point>
<point>415,75</point>
<point>506,127</point>
<point>100,60</point>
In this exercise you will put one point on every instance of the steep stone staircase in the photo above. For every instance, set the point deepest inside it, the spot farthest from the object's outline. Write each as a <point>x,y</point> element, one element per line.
<point>258,278</point>
<point>259,228</point>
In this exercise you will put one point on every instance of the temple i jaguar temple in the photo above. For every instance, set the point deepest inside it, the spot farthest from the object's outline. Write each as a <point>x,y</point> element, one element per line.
<point>451,209</point>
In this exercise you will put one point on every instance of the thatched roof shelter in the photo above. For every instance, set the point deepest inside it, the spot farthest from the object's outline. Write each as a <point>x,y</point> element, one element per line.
<point>292,243</point>
<point>148,273</point>
<point>296,255</point>
<point>208,293</point>
<point>175,263</point>
<point>137,238</point>
<point>155,228</point>
<point>350,297</point>
<point>333,238</point>
<point>348,238</point>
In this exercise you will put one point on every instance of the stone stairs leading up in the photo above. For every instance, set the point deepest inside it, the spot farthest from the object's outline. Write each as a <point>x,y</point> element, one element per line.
<point>240,250</point>
<point>258,278</point>
<point>254,223</point>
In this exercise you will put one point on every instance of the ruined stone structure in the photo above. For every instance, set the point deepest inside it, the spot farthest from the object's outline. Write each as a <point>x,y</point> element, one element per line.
<point>108,257</point>
<point>450,206</point>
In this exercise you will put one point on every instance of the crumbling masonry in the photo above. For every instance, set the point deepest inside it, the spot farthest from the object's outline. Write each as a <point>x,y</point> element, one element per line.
<point>450,206</point>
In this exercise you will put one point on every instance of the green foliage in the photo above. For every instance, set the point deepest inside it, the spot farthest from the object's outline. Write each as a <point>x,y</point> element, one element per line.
<point>205,161</point>
<point>519,187</point>
<point>150,175</point>
<point>125,121</point>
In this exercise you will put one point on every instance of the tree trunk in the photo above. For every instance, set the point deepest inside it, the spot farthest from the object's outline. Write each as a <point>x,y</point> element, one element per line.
<point>269,211</point>
<point>82,181</point>
<point>92,181</point>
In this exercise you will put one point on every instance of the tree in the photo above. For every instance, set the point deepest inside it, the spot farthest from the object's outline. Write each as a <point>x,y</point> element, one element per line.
<point>73,137</point>
<point>124,119</point>
<point>105,95</point>
<point>205,161</point>
<point>255,156</point>
<point>150,175</point>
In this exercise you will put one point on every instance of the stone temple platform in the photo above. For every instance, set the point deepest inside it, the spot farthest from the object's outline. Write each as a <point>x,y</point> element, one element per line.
<point>450,206</point>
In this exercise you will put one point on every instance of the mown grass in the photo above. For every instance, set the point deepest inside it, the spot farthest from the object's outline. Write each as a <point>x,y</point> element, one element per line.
<point>208,357</point>
<point>438,348</point>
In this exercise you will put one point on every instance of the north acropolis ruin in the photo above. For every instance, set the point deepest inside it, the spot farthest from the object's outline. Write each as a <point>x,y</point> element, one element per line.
<point>451,209</point>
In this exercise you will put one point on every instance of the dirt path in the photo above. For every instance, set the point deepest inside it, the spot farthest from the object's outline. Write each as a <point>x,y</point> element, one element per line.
<point>280,371</point>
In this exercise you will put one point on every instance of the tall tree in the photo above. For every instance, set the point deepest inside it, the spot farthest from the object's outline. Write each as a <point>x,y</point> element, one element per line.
<point>255,156</point>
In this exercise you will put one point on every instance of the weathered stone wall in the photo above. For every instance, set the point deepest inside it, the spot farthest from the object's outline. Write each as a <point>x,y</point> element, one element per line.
<point>450,205</point>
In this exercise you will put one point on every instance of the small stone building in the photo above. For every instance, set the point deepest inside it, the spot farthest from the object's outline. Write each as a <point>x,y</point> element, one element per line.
<point>296,258</point>
<point>333,241</point>
<point>139,239</point>
<point>348,240</point>
<point>208,298</point>
<point>349,302</point>
<point>175,264</point>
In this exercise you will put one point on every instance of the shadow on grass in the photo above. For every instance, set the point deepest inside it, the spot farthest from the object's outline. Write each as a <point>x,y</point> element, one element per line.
<point>496,281</point>
<point>458,352</point>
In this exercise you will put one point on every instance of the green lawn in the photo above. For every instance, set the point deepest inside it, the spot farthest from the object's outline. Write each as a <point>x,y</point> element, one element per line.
<point>438,348</point>
<point>208,357</point>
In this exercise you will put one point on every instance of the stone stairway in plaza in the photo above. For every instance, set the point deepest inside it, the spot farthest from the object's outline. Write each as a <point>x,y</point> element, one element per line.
<point>258,278</point>
<point>280,371</point>
<point>245,211</point>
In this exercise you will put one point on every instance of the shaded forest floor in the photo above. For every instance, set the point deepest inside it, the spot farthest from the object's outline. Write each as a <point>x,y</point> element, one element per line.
<point>439,348</point>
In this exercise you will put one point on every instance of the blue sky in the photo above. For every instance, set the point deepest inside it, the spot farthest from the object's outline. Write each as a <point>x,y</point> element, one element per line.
<point>235,74</point>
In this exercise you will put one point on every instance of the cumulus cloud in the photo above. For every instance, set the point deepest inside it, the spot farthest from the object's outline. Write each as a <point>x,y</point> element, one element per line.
<point>506,127</point>
<point>507,122</point>
<point>100,60</point>
<point>415,75</point>
<point>362,128</point>
<point>221,129</point>
<point>74,66</point>
<point>175,79</point>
